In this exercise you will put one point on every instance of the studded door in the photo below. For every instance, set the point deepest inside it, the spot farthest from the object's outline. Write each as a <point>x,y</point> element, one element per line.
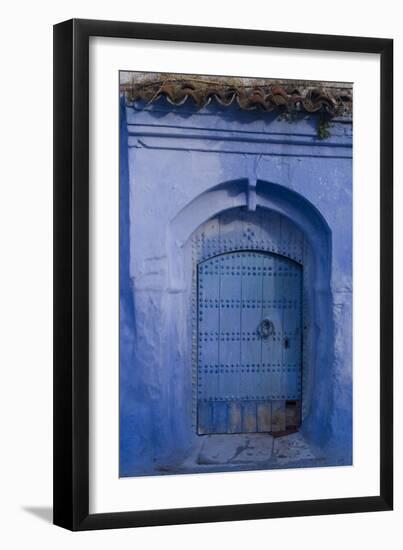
<point>249,343</point>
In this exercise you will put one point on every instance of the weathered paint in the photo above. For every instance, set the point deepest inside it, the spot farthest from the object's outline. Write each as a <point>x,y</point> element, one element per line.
<point>181,170</point>
<point>248,337</point>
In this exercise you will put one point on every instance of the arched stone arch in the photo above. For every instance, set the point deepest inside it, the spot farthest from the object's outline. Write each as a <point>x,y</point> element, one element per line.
<point>192,238</point>
<point>237,193</point>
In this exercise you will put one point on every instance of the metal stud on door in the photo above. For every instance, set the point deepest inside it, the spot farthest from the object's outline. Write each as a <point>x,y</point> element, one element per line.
<point>249,342</point>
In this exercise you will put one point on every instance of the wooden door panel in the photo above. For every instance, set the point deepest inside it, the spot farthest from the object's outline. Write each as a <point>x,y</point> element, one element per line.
<point>292,321</point>
<point>251,315</point>
<point>234,417</point>
<point>230,326</point>
<point>249,342</point>
<point>263,414</point>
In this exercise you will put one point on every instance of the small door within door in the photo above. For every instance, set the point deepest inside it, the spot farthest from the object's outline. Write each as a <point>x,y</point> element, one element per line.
<point>249,343</point>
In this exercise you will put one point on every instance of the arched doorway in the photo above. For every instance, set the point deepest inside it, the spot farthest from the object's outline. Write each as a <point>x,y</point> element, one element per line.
<point>249,340</point>
<point>283,225</point>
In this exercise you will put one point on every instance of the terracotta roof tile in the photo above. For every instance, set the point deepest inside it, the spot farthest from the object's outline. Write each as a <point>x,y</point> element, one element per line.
<point>267,95</point>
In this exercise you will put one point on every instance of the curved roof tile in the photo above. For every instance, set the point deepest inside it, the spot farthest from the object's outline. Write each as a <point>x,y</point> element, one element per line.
<point>267,95</point>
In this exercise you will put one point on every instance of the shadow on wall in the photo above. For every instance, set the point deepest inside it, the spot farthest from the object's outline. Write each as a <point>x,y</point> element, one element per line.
<point>44,513</point>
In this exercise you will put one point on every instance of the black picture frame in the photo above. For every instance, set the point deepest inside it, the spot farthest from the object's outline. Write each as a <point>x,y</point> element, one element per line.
<point>71,274</point>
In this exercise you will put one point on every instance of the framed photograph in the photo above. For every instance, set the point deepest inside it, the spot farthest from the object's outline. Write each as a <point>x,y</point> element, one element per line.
<point>223,330</point>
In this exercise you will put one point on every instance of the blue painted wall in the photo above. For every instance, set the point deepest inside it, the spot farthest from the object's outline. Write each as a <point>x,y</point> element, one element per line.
<point>181,167</point>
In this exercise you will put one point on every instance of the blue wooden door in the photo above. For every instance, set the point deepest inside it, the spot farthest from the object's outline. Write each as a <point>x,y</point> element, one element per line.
<point>249,343</point>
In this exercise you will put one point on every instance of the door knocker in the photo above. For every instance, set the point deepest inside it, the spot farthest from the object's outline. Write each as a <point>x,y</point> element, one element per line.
<point>266,328</point>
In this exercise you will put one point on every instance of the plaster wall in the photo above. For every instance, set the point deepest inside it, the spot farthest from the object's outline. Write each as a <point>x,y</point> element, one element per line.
<point>180,167</point>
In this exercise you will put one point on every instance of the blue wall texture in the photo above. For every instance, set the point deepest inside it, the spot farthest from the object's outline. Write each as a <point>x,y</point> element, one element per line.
<point>180,168</point>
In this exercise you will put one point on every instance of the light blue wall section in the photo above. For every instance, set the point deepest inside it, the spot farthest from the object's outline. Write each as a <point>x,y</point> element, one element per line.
<point>179,168</point>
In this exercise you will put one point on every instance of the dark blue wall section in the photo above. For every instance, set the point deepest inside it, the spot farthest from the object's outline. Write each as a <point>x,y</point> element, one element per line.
<point>197,183</point>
